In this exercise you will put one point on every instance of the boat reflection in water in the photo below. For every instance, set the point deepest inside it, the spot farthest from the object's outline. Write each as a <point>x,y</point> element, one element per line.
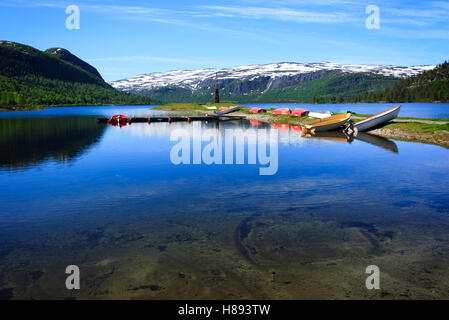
<point>331,136</point>
<point>339,136</point>
<point>382,142</point>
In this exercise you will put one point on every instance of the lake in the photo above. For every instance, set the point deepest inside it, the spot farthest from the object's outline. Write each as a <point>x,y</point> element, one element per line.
<point>142,220</point>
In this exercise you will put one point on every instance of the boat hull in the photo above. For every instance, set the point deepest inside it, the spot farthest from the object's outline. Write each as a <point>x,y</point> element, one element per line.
<point>329,123</point>
<point>329,127</point>
<point>319,114</point>
<point>377,119</point>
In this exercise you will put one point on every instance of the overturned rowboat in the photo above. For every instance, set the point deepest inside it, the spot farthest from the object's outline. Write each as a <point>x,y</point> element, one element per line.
<point>377,120</point>
<point>257,110</point>
<point>118,119</point>
<point>320,114</point>
<point>329,123</point>
<point>226,110</point>
<point>281,111</point>
<point>299,113</point>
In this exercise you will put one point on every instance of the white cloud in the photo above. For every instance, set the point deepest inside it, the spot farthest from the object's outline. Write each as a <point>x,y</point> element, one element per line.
<point>284,14</point>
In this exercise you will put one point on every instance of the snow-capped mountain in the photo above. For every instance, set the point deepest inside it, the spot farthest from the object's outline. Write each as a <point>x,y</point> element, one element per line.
<point>195,79</point>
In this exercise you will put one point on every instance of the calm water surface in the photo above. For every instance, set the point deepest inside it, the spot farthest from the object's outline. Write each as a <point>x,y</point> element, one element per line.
<point>110,201</point>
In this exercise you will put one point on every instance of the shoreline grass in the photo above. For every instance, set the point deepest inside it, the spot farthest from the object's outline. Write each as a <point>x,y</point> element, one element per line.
<point>424,130</point>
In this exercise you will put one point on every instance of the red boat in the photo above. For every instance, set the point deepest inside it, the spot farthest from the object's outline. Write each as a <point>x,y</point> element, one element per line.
<point>281,111</point>
<point>299,113</point>
<point>256,110</point>
<point>118,119</point>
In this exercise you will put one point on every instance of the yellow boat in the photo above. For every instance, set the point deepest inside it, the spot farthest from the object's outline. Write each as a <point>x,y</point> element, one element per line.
<point>329,123</point>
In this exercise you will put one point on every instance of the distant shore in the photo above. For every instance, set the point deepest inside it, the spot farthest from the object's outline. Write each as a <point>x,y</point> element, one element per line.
<point>7,109</point>
<point>39,108</point>
<point>430,131</point>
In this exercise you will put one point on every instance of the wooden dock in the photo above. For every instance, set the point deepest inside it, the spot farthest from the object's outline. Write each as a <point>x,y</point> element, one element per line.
<point>217,116</point>
<point>175,119</point>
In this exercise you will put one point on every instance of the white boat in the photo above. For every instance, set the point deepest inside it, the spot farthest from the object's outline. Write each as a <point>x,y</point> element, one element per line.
<point>377,119</point>
<point>319,114</point>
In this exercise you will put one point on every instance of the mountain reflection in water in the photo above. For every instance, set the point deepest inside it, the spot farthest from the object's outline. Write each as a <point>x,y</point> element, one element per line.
<point>27,142</point>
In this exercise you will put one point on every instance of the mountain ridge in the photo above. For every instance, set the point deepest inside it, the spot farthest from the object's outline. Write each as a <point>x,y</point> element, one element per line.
<point>20,60</point>
<point>275,82</point>
<point>67,56</point>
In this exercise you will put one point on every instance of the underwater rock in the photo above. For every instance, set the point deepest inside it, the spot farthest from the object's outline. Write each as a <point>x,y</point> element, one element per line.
<point>371,233</point>
<point>241,234</point>
<point>152,287</point>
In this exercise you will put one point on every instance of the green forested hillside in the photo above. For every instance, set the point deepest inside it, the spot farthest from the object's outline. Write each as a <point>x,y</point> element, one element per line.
<point>337,87</point>
<point>429,86</point>
<point>65,55</point>
<point>30,77</point>
<point>330,86</point>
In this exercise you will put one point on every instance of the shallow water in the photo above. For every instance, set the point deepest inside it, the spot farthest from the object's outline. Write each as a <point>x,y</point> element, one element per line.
<point>110,201</point>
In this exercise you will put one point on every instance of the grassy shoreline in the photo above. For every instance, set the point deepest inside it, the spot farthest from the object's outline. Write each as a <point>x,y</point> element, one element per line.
<point>429,131</point>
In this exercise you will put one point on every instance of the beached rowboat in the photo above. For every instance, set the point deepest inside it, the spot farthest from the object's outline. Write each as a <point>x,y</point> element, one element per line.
<point>319,114</point>
<point>299,113</point>
<point>377,119</point>
<point>329,123</point>
<point>281,111</point>
<point>226,110</point>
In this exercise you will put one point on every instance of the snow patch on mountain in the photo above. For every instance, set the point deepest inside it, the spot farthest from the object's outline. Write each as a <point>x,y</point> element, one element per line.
<point>191,79</point>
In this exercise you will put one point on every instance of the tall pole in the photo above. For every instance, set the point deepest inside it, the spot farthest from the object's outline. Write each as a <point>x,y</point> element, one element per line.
<point>216,93</point>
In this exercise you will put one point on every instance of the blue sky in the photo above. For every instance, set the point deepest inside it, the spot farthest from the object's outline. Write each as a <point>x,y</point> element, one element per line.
<point>126,38</point>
